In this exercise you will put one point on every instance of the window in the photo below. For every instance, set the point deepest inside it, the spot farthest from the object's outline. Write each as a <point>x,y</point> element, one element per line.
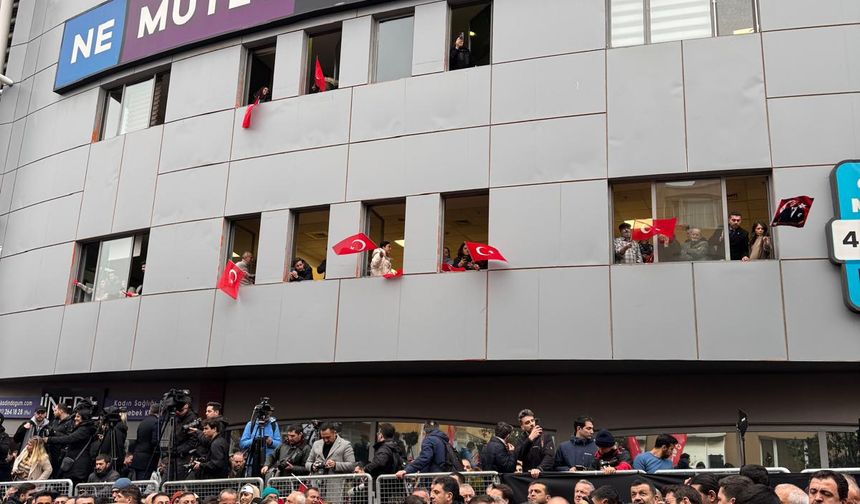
<point>842,449</point>
<point>634,22</point>
<point>111,269</point>
<point>326,47</point>
<point>310,243</point>
<point>473,22</point>
<point>136,106</point>
<point>393,49</point>
<point>242,248</point>
<point>260,74</point>
<point>466,219</point>
<point>702,212</point>
<point>386,222</point>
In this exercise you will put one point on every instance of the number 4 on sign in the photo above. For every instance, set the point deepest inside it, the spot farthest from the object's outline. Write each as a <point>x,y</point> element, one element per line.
<point>851,239</point>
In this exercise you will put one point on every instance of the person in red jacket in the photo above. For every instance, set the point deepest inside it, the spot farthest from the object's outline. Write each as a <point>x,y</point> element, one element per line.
<point>610,457</point>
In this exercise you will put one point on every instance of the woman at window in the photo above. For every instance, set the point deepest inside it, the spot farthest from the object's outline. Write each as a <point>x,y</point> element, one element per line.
<point>380,264</point>
<point>760,247</point>
<point>33,462</point>
<point>464,259</point>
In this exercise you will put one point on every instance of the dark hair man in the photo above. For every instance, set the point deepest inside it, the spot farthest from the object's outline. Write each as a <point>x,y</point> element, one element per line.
<point>739,242</point>
<point>185,439</point>
<point>828,487</point>
<point>290,457</point>
<point>605,495</point>
<point>659,457</point>
<point>757,473</point>
<point>43,497</point>
<point>627,251</point>
<point>503,494</point>
<point>682,494</point>
<point>535,450</point>
<point>103,471</point>
<point>498,455</point>
<point>757,494</point>
<point>642,491</point>
<point>34,427</point>
<point>263,429</point>
<point>707,486</point>
<point>213,409</point>
<point>538,493</point>
<point>216,464</point>
<point>731,487</point>
<point>388,455</point>
<point>578,452</point>
<point>444,490</point>
<point>434,452</point>
<point>144,460</point>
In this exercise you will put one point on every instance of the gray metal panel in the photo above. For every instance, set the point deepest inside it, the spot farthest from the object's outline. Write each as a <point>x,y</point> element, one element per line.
<point>137,179</point>
<point>819,325</point>
<point>197,141</point>
<point>77,337</point>
<point>43,93</point>
<point>355,51</point>
<point>304,122</point>
<point>448,100</point>
<point>61,126</point>
<point>584,213</point>
<point>9,101</point>
<point>184,256</point>
<point>25,90</point>
<point>345,219</point>
<point>100,188</point>
<point>546,27</point>
<point>293,180</point>
<point>186,98</point>
<point>379,111</point>
<point>58,11</point>
<point>508,225</point>
<point>423,215</point>
<point>814,130</point>
<point>437,162</point>
<point>739,310</point>
<point>49,49</point>
<point>553,150</point>
<point>289,62</point>
<point>23,21</point>
<point>726,112</point>
<point>40,330</point>
<point>164,317</point>
<point>645,110</point>
<point>429,52</point>
<point>47,223</point>
<point>460,334</point>
<point>15,71</point>
<point>5,136</point>
<point>368,318</point>
<point>821,60</point>
<point>16,141</point>
<point>781,14</point>
<point>574,323</point>
<point>115,334</point>
<point>519,94</point>
<point>41,276</point>
<point>272,260</point>
<point>307,334</point>
<point>793,243</point>
<point>52,177</point>
<point>512,309</point>
<point>30,60</point>
<point>190,195</point>
<point>250,323</point>
<point>643,297</point>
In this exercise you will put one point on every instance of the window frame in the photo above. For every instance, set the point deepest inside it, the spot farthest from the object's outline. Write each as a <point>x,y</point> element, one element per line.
<point>160,84</point>
<point>377,21</point>
<point>308,68</point>
<point>81,252</point>
<point>292,249</point>
<point>249,51</point>
<point>456,4</point>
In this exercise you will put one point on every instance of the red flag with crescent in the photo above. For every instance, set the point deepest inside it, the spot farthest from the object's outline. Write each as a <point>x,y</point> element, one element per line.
<point>393,274</point>
<point>354,244</point>
<point>645,229</point>
<point>319,76</point>
<point>448,267</point>
<point>230,280</point>
<point>246,121</point>
<point>484,252</point>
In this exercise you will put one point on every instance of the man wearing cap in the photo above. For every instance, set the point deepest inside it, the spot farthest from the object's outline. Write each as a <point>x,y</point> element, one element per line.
<point>609,456</point>
<point>33,427</point>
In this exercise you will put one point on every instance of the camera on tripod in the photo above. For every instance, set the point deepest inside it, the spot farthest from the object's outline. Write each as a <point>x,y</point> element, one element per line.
<point>175,399</point>
<point>263,409</point>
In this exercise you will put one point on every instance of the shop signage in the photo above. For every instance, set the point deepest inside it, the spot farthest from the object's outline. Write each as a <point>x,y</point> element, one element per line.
<point>843,231</point>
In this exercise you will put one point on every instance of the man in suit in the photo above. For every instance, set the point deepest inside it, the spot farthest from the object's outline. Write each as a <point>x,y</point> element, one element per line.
<point>331,455</point>
<point>145,459</point>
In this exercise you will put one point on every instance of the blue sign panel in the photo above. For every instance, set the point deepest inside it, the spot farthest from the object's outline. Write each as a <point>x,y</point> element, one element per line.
<point>844,230</point>
<point>18,407</point>
<point>92,42</point>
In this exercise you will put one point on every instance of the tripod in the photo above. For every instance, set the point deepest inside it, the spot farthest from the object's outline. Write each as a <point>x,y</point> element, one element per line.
<point>168,424</point>
<point>256,454</point>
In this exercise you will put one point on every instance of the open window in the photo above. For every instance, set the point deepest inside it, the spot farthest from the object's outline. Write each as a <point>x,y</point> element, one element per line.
<point>325,47</point>
<point>385,222</point>
<point>393,48</point>
<point>111,269</point>
<point>471,23</point>
<point>242,247</point>
<point>466,219</point>
<point>310,245</point>
<point>260,74</point>
<point>135,106</point>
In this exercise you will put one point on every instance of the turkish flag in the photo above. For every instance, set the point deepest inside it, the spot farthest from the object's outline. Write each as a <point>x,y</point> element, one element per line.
<point>682,442</point>
<point>448,267</point>
<point>246,122</point>
<point>484,252</point>
<point>230,280</point>
<point>645,229</point>
<point>397,273</point>
<point>319,76</point>
<point>792,211</point>
<point>353,244</point>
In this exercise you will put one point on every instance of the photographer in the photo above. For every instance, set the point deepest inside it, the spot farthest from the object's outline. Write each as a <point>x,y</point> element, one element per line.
<point>75,458</point>
<point>535,449</point>
<point>260,438</point>
<point>215,463</point>
<point>112,433</point>
<point>185,440</point>
<point>145,460</point>
<point>290,457</point>
<point>610,457</point>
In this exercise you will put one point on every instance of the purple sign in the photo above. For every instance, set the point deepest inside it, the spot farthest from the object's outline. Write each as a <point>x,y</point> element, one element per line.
<point>155,26</point>
<point>136,408</point>
<point>18,407</point>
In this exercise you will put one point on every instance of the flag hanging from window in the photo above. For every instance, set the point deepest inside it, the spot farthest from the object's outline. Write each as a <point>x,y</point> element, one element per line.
<point>354,244</point>
<point>246,122</point>
<point>645,229</point>
<point>319,76</point>
<point>484,252</point>
<point>393,274</point>
<point>231,279</point>
<point>792,211</point>
<point>448,267</point>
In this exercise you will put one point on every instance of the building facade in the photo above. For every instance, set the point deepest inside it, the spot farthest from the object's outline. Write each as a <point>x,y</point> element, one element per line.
<point>126,190</point>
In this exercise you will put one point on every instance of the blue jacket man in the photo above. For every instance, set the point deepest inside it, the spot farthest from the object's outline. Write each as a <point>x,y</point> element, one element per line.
<point>267,429</point>
<point>580,450</point>
<point>433,456</point>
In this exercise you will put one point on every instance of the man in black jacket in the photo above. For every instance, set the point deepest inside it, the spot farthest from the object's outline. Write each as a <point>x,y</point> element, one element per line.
<point>290,457</point>
<point>498,455</point>
<point>535,450</point>
<point>7,455</point>
<point>63,423</point>
<point>185,440</point>
<point>145,459</point>
<point>388,456</point>
<point>214,463</point>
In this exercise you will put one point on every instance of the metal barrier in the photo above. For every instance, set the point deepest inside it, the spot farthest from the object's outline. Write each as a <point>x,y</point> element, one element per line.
<point>601,473</point>
<point>724,470</point>
<point>834,469</point>
<point>334,488</point>
<point>392,490</point>
<point>58,486</point>
<point>209,488</point>
<point>104,489</point>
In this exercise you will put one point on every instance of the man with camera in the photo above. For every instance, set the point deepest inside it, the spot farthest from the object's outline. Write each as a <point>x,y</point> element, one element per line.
<point>331,455</point>
<point>535,450</point>
<point>145,459</point>
<point>184,441</point>
<point>261,437</point>
<point>214,463</point>
<point>290,457</point>
<point>498,455</point>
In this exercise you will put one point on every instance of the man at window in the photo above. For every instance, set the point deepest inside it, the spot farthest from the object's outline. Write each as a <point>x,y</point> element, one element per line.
<point>626,250</point>
<point>300,271</point>
<point>739,242</point>
<point>695,248</point>
<point>460,56</point>
<point>245,265</point>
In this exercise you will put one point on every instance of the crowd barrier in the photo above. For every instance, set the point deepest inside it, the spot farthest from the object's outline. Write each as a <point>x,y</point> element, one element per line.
<point>392,490</point>
<point>104,489</point>
<point>334,488</point>
<point>58,486</point>
<point>723,470</point>
<point>209,488</point>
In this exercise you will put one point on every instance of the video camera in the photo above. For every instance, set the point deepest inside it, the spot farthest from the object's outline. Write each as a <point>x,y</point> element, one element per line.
<point>174,399</point>
<point>263,409</point>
